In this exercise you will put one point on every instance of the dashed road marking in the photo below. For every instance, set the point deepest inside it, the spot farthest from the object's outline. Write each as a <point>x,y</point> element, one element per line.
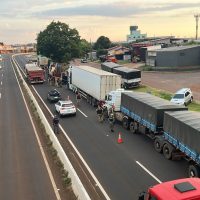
<point>0,95</point>
<point>82,112</point>
<point>1,83</point>
<point>146,170</point>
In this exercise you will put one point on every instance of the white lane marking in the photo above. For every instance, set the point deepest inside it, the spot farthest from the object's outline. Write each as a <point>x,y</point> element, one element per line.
<point>82,112</point>
<point>76,150</point>
<point>1,82</point>
<point>146,170</point>
<point>0,95</point>
<point>39,143</point>
<point>2,75</point>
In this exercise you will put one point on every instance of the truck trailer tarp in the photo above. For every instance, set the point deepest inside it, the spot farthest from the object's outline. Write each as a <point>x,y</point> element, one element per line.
<point>127,73</point>
<point>148,107</point>
<point>109,66</point>
<point>185,127</point>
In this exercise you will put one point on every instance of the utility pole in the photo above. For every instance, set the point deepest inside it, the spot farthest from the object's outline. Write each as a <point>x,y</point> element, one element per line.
<point>196,16</point>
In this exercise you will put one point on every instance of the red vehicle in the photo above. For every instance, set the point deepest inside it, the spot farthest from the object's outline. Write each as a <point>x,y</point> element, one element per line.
<point>34,73</point>
<point>111,59</point>
<point>181,189</point>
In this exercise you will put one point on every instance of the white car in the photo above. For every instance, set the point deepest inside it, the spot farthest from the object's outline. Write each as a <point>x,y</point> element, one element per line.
<point>183,97</point>
<point>65,108</point>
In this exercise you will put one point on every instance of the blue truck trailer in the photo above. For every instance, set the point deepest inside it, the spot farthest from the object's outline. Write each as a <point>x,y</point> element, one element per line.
<point>174,130</point>
<point>181,136</point>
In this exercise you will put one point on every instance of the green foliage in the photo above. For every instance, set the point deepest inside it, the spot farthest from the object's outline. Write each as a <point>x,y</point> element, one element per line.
<point>85,47</point>
<point>59,42</point>
<point>102,43</point>
<point>101,52</point>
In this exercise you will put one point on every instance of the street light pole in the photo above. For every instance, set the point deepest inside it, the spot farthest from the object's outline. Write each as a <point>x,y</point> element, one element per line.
<point>197,21</point>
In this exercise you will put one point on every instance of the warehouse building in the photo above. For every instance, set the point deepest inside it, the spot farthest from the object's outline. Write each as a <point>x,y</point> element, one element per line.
<point>174,56</point>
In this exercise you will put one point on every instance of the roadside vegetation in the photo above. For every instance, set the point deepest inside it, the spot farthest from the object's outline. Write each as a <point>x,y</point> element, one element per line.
<point>194,106</point>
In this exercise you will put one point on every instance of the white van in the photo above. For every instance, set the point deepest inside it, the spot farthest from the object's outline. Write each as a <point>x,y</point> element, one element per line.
<point>182,97</point>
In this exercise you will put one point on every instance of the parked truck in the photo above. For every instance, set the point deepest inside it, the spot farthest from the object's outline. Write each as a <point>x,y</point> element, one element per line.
<point>93,84</point>
<point>42,61</point>
<point>130,77</point>
<point>174,129</point>
<point>181,189</point>
<point>34,73</point>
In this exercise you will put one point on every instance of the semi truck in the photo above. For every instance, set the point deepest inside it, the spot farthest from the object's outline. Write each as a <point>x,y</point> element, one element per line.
<point>174,130</point>
<point>42,61</point>
<point>34,73</point>
<point>130,77</point>
<point>93,84</point>
<point>181,189</point>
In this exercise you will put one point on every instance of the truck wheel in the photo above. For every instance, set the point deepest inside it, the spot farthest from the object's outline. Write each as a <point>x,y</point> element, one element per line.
<point>194,171</point>
<point>158,145</point>
<point>125,123</point>
<point>133,127</point>
<point>168,150</point>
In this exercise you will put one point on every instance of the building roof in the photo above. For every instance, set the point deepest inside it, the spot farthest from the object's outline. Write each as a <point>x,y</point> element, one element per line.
<point>179,48</point>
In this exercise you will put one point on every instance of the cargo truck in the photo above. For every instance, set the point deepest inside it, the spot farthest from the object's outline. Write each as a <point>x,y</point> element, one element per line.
<point>181,189</point>
<point>130,77</point>
<point>34,73</point>
<point>42,61</point>
<point>93,84</point>
<point>174,129</point>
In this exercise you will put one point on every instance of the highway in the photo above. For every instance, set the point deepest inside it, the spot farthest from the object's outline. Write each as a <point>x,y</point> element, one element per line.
<point>23,173</point>
<point>124,170</point>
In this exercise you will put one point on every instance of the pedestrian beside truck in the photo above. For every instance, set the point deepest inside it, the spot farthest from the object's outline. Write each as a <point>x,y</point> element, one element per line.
<point>78,97</point>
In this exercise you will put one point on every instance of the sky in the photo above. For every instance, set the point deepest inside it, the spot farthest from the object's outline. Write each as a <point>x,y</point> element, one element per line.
<point>22,20</point>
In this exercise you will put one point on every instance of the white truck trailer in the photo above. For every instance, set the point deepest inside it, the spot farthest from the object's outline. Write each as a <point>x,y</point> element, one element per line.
<point>93,84</point>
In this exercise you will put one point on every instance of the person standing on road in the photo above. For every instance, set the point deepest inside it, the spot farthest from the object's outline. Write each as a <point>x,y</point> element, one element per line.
<point>111,120</point>
<point>56,124</point>
<point>99,111</point>
<point>78,97</point>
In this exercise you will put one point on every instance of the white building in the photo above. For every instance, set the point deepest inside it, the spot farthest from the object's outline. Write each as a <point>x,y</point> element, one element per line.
<point>135,34</point>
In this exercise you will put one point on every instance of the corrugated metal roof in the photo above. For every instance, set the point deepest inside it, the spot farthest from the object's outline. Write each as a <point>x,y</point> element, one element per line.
<point>178,48</point>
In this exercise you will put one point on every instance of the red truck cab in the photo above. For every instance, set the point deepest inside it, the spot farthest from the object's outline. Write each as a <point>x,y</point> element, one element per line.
<point>181,189</point>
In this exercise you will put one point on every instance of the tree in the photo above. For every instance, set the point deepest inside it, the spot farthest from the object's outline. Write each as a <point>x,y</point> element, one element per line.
<point>85,47</point>
<point>59,42</point>
<point>102,43</point>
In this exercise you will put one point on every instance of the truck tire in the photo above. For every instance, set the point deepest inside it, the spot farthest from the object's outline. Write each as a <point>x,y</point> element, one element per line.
<point>158,144</point>
<point>194,171</point>
<point>125,123</point>
<point>168,150</point>
<point>133,127</point>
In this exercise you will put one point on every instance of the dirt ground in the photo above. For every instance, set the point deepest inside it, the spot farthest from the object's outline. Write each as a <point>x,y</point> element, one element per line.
<point>168,81</point>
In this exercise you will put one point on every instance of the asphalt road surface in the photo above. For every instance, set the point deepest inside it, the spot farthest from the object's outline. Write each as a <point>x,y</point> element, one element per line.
<point>23,174</point>
<point>124,169</point>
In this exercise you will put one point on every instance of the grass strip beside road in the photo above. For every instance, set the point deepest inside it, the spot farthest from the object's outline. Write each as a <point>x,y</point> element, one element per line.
<point>194,106</point>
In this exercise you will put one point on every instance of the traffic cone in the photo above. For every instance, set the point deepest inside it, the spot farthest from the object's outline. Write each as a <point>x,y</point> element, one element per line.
<point>119,141</point>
